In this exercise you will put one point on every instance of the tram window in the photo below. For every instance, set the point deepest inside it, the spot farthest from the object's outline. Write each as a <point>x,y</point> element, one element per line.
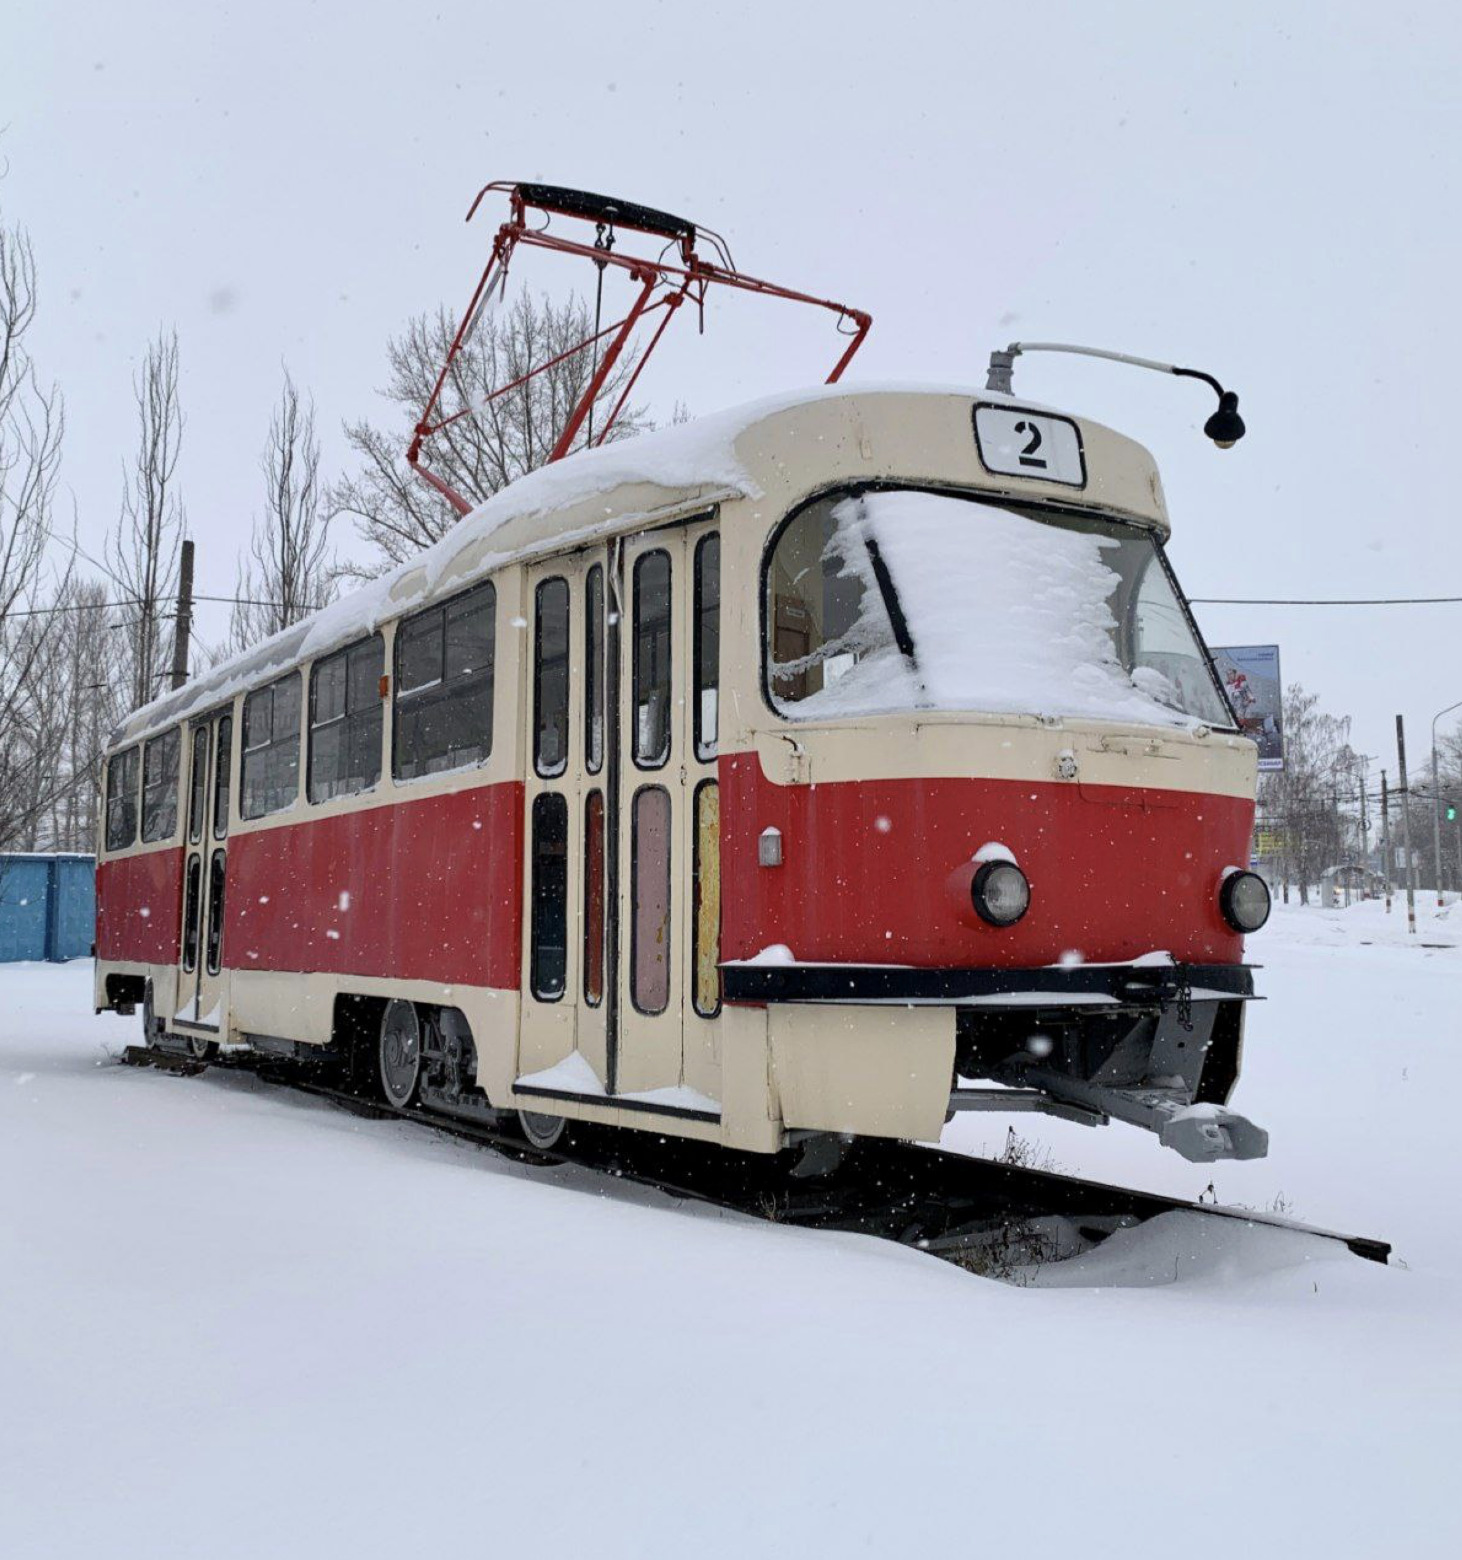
<point>122,799</point>
<point>190,912</point>
<point>160,786</point>
<point>197,784</point>
<point>345,720</point>
<point>650,895</point>
<point>269,781</point>
<point>816,614</point>
<point>706,886</point>
<point>1163,643</point>
<point>652,660</point>
<point>548,955</point>
<point>222,769</point>
<point>444,686</point>
<point>707,648</point>
<point>594,898</point>
<point>551,677</point>
<point>594,670</point>
<point>215,912</point>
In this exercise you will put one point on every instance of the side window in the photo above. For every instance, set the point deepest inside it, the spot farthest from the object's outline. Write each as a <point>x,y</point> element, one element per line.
<point>345,720</point>
<point>594,898</point>
<point>548,953</point>
<point>197,784</point>
<point>122,799</point>
<point>821,617</point>
<point>706,651</point>
<point>222,767</point>
<point>269,781</point>
<point>652,660</point>
<point>551,677</point>
<point>215,912</point>
<point>594,670</point>
<point>160,786</point>
<point>190,912</point>
<point>650,896</point>
<point>444,684</point>
<point>706,887</point>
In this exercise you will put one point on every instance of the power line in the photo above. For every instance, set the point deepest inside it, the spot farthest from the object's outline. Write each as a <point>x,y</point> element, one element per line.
<point>133,601</point>
<point>1321,601</point>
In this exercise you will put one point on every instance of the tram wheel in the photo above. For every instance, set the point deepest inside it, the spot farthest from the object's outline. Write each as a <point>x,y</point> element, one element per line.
<point>398,1056</point>
<point>200,1049</point>
<point>541,1131</point>
<point>151,1023</point>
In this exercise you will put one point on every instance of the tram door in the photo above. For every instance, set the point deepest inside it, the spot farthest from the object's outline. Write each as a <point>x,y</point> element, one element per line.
<point>667,883</point>
<point>563,1009</point>
<point>622,932</point>
<point>201,983</point>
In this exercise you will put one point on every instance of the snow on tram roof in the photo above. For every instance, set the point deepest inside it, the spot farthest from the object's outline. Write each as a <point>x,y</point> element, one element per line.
<point>592,493</point>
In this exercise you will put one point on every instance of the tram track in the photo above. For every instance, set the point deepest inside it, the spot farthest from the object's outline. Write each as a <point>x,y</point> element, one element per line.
<point>985,1214</point>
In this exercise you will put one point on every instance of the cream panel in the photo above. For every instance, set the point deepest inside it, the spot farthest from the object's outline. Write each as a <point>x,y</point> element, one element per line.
<point>883,1071</point>
<point>928,438</point>
<point>302,1007</point>
<point>164,978</point>
<point>750,1118</point>
<point>995,748</point>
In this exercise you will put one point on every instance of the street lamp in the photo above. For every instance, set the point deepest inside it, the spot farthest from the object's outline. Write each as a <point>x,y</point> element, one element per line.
<point>1225,427</point>
<point>1437,800</point>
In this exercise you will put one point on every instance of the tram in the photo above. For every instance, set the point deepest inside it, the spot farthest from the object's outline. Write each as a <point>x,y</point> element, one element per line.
<point>823,767</point>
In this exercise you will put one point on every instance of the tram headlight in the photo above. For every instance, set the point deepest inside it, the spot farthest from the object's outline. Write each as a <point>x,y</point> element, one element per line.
<point>1000,892</point>
<point>1244,899</point>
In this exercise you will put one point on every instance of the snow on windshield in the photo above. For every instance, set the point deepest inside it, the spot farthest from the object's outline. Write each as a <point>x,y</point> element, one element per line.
<point>1003,612</point>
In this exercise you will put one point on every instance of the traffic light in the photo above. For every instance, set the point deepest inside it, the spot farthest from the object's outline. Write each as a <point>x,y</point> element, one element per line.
<point>1451,812</point>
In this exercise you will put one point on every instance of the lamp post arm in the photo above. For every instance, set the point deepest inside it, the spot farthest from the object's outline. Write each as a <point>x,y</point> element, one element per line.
<point>1225,427</point>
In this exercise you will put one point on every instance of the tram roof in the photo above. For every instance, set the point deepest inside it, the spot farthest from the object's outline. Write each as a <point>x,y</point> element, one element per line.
<point>776,449</point>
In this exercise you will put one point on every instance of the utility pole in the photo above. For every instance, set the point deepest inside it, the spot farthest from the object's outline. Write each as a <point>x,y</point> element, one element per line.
<point>183,627</point>
<point>1385,842</point>
<point>1437,799</point>
<point>1406,827</point>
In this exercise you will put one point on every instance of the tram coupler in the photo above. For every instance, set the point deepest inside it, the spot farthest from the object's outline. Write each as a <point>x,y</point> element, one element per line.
<point>1200,1132</point>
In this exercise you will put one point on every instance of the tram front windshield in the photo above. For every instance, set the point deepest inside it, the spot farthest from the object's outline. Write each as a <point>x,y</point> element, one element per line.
<point>900,599</point>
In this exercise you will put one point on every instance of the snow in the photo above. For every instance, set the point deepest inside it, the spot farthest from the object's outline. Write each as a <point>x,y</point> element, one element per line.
<point>573,1075</point>
<point>1007,615</point>
<point>776,955</point>
<point>993,850</point>
<point>221,1304</point>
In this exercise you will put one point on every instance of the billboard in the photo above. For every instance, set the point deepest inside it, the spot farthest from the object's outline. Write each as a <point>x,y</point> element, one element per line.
<point>1250,678</point>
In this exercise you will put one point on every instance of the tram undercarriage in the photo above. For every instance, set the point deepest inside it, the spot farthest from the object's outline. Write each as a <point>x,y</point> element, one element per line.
<point>1156,1045</point>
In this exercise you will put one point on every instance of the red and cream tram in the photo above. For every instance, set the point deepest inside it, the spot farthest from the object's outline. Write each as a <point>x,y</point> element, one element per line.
<point>818,767</point>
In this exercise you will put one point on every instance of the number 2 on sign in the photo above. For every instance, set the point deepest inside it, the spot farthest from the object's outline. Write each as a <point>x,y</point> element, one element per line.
<point>1028,456</point>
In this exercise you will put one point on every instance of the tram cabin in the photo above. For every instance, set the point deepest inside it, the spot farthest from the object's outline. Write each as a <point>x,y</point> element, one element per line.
<point>823,767</point>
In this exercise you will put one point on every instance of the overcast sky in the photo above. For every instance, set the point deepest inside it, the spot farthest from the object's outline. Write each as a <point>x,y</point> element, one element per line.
<point>1268,192</point>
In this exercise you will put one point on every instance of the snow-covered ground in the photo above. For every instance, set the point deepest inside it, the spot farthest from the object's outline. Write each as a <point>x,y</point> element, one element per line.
<point>236,1322</point>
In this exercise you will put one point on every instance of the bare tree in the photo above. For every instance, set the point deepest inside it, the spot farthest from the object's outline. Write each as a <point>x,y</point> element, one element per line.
<point>288,573</point>
<point>143,554</point>
<point>1301,802</point>
<point>32,421</point>
<point>394,510</point>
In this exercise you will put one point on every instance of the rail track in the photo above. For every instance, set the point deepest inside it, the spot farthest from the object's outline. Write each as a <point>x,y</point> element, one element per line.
<point>984,1214</point>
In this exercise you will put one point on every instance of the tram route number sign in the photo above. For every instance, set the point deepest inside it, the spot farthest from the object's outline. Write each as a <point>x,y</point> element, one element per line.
<point>1016,443</point>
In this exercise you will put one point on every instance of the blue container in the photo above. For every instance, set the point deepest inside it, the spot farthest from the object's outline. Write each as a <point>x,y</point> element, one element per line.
<point>47,907</point>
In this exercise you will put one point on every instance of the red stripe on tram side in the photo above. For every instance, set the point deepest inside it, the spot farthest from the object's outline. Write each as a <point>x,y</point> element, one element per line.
<point>419,890</point>
<point>139,908</point>
<point>871,870</point>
